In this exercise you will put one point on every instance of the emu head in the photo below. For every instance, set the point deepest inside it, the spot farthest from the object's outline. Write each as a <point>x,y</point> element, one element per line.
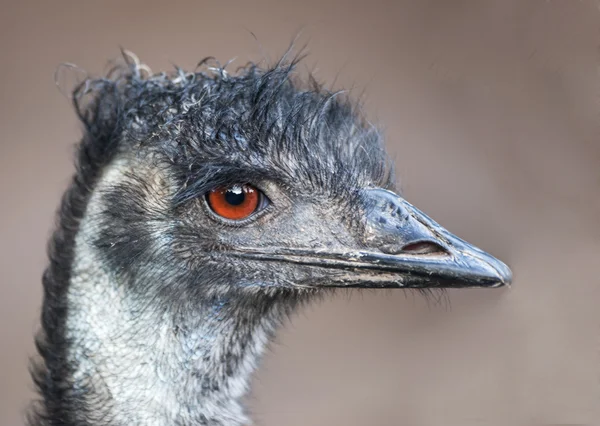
<point>211,184</point>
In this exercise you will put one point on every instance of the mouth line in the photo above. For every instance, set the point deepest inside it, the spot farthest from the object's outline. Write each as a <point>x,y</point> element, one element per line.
<point>372,269</point>
<point>350,260</point>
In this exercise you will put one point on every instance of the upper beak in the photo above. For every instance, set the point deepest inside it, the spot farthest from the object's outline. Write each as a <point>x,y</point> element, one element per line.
<point>424,252</point>
<point>401,247</point>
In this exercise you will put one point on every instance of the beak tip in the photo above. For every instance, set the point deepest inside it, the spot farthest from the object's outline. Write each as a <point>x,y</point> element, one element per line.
<point>485,270</point>
<point>502,274</point>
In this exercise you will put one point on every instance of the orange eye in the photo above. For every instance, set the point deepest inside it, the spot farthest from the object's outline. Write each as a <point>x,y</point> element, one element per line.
<point>235,202</point>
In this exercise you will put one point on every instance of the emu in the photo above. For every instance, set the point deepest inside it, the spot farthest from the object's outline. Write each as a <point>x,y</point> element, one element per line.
<point>205,208</point>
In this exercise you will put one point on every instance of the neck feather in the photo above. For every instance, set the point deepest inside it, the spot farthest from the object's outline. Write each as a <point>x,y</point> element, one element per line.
<point>131,362</point>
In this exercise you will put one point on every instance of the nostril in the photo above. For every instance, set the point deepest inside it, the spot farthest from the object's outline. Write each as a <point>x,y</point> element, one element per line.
<point>423,247</point>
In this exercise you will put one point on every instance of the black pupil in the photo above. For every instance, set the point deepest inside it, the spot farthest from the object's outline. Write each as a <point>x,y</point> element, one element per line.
<point>235,196</point>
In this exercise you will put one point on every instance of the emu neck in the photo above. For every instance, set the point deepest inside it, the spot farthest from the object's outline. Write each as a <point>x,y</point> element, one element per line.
<point>137,364</point>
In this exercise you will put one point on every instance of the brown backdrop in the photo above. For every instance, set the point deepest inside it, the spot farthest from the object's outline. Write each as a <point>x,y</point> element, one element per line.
<point>491,112</point>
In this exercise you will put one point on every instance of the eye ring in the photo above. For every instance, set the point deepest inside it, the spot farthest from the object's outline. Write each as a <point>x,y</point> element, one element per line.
<point>236,202</point>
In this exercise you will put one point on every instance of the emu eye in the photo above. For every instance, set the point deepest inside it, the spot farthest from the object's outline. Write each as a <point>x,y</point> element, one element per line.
<point>236,202</point>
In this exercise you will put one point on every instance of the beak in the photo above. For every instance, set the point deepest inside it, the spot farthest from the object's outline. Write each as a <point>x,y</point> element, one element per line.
<point>401,247</point>
<point>426,254</point>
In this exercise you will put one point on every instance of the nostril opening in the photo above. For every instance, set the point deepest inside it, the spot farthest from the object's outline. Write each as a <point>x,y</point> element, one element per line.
<point>423,247</point>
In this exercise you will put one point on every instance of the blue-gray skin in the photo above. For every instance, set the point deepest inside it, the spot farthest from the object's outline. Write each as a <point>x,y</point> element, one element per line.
<point>155,307</point>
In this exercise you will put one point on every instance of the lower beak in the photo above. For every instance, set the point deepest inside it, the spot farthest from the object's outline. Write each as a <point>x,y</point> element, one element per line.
<point>404,248</point>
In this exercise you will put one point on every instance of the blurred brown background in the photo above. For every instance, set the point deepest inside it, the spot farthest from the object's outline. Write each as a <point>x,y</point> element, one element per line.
<point>491,112</point>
